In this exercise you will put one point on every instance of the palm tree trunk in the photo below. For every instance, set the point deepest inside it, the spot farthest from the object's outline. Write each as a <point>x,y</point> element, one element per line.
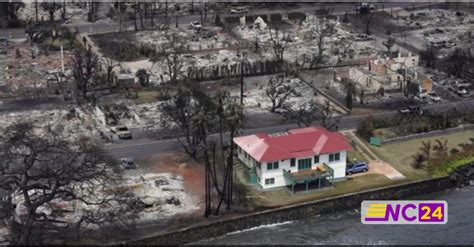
<point>140,12</point>
<point>36,10</point>
<point>153,14</point>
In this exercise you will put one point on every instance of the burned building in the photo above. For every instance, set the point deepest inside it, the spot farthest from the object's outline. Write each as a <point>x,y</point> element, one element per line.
<point>386,73</point>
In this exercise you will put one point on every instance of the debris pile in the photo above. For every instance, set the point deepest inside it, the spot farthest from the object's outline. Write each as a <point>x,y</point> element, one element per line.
<point>26,68</point>
<point>162,195</point>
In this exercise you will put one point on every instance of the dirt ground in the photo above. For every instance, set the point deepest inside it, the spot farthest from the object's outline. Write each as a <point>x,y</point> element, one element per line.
<point>177,164</point>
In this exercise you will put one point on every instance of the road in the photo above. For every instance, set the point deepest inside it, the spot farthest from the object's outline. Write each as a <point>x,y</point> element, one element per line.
<point>147,147</point>
<point>110,26</point>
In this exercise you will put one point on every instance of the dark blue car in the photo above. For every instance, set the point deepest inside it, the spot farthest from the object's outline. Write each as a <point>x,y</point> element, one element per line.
<point>357,166</point>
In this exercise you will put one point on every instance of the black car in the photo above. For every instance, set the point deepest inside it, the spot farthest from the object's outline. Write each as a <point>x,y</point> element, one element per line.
<point>412,110</point>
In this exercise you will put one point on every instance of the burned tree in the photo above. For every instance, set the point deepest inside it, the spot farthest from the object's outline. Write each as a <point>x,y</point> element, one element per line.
<point>143,77</point>
<point>321,30</point>
<point>311,112</point>
<point>304,115</point>
<point>36,32</point>
<point>170,55</point>
<point>109,66</point>
<point>329,120</point>
<point>460,64</point>
<point>12,9</point>
<point>86,66</point>
<point>389,43</point>
<point>51,8</point>
<point>188,112</point>
<point>278,91</point>
<point>429,55</point>
<point>279,44</point>
<point>55,188</point>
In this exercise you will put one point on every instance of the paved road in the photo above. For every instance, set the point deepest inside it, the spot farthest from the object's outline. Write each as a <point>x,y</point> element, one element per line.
<point>109,26</point>
<point>147,147</point>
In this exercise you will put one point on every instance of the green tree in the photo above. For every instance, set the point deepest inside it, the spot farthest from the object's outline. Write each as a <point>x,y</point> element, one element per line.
<point>143,77</point>
<point>349,92</point>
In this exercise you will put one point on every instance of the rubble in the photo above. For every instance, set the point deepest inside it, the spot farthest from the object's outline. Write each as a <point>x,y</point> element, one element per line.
<point>25,74</point>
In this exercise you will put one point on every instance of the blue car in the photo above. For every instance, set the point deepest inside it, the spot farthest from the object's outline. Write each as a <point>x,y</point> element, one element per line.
<point>357,166</point>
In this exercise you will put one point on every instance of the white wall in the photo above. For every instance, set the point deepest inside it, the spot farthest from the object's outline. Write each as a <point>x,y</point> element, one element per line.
<point>241,155</point>
<point>338,166</point>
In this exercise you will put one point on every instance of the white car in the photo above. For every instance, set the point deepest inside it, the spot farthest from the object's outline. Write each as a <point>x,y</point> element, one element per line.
<point>422,97</point>
<point>196,24</point>
<point>434,97</point>
<point>463,92</point>
<point>239,10</point>
<point>128,163</point>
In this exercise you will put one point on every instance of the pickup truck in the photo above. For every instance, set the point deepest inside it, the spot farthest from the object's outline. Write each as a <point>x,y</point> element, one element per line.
<point>122,132</point>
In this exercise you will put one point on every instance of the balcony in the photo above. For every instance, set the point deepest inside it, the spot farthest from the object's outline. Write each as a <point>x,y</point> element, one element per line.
<point>314,178</point>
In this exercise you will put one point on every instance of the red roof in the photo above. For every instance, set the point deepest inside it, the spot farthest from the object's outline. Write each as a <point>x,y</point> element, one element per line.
<point>296,143</point>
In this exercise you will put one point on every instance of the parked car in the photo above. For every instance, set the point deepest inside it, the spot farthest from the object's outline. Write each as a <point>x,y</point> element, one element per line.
<point>356,167</point>
<point>449,44</point>
<point>423,97</point>
<point>196,24</point>
<point>128,163</point>
<point>463,92</point>
<point>434,97</point>
<point>364,37</point>
<point>412,110</point>
<point>121,131</point>
<point>239,10</point>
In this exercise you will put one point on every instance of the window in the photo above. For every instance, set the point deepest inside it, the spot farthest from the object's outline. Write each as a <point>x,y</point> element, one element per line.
<point>292,162</point>
<point>259,166</point>
<point>316,159</point>
<point>272,165</point>
<point>270,181</point>
<point>304,164</point>
<point>334,157</point>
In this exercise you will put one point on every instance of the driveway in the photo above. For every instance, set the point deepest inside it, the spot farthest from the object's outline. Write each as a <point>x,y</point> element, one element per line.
<point>376,165</point>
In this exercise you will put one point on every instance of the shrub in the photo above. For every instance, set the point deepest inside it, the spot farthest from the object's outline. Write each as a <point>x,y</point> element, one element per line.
<point>366,128</point>
<point>276,17</point>
<point>297,16</point>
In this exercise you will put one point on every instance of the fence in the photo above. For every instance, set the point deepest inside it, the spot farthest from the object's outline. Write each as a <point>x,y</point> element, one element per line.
<point>428,134</point>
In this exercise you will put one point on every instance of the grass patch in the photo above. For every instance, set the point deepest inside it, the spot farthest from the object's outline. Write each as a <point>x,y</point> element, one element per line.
<point>57,43</point>
<point>282,196</point>
<point>452,166</point>
<point>355,154</point>
<point>360,147</point>
<point>399,155</point>
<point>385,133</point>
<point>146,97</point>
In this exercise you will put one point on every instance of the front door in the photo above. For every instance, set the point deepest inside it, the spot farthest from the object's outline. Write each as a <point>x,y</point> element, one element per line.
<point>304,164</point>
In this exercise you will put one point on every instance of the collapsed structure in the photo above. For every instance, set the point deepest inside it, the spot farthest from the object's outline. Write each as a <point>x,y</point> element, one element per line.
<point>386,73</point>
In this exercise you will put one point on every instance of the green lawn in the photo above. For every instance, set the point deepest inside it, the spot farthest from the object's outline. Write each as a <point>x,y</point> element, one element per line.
<point>399,155</point>
<point>282,196</point>
<point>355,154</point>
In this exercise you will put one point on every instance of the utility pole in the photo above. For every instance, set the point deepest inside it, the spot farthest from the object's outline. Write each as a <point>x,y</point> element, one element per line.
<point>36,10</point>
<point>120,15</point>
<point>62,60</point>
<point>242,83</point>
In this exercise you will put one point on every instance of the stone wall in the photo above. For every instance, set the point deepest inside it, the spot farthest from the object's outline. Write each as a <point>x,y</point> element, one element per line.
<point>295,212</point>
<point>428,134</point>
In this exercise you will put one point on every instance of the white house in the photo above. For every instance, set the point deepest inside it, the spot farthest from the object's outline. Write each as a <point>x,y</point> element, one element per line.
<point>277,158</point>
